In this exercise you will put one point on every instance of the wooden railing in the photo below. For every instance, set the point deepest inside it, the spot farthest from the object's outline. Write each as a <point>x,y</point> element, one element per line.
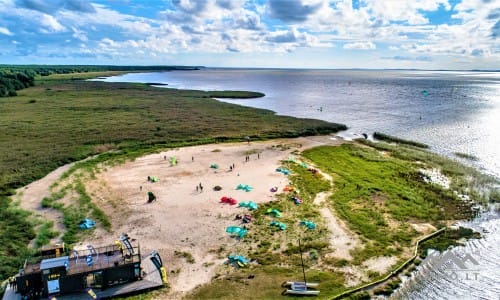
<point>393,272</point>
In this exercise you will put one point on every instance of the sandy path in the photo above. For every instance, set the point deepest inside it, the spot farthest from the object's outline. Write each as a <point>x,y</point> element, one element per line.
<point>30,197</point>
<point>341,239</point>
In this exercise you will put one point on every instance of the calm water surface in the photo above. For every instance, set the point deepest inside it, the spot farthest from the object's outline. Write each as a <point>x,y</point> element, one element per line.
<point>450,111</point>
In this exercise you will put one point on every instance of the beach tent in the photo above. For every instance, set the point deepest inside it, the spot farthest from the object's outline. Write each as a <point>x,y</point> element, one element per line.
<point>280,225</point>
<point>244,187</point>
<point>250,205</point>
<point>173,161</point>
<point>153,179</point>
<point>238,259</point>
<point>214,166</point>
<point>235,230</point>
<point>86,224</point>
<point>229,200</point>
<point>309,224</point>
<point>274,212</point>
<point>283,170</point>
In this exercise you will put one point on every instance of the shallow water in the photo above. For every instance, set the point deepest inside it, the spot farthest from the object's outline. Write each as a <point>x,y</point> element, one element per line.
<point>450,111</point>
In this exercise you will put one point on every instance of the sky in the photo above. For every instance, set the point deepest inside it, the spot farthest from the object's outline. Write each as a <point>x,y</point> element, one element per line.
<point>372,34</point>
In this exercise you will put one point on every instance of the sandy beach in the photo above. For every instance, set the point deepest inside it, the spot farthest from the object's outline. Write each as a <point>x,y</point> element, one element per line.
<point>185,218</point>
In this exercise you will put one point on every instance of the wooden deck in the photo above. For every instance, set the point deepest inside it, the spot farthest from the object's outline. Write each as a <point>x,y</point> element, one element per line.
<point>152,280</point>
<point>103,258</point>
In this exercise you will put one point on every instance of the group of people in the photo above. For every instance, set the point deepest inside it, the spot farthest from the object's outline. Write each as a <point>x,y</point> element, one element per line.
<point>247,158</point>
<point>199,188</point>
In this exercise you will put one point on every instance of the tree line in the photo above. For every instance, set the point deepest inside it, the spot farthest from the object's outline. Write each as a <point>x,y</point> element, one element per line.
<point>12,81</point>
<point>14,78</point>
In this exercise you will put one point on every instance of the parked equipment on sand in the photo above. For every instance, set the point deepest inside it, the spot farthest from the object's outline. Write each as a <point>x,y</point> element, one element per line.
<point>151,197</point>
<point>301,288</point>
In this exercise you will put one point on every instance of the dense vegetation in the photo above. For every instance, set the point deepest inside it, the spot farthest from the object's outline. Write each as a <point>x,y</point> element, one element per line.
<point>61,120</point>
<point>14,78</point>
<point>392,139</point>
<point>12,81</point>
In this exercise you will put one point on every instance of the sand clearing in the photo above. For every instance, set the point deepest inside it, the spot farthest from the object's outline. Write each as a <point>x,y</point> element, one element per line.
<point>184,218</point>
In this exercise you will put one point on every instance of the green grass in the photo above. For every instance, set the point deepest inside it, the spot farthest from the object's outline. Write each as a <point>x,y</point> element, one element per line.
<point>481,187</point>
<point>63,119</point>
<point>45,234</point>
<point>373,191</point>
<point>265,283</point>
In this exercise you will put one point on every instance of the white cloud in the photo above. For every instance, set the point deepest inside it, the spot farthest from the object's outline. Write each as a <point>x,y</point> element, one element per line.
<point>360,46</point>
<point>405,11</point>
<point>79,34</point>
<point>5,31</point>
<point>51,24</point>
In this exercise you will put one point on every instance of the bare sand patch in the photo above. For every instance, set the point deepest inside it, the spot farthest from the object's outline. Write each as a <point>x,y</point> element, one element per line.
<point>381,264</point>
<point>341,239</point>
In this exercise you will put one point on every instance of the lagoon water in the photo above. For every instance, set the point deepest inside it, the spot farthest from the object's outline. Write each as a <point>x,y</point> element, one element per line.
<point>450,111</point>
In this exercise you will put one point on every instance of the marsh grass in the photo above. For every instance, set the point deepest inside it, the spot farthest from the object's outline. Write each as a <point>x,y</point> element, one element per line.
<point>392,139</point>
<point>378,195</point>
<point>450,237</point>
<point>466,156</point>
<point>481,187</point>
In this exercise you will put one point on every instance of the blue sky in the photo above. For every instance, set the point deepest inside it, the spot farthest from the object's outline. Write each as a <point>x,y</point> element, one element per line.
<point>425,34</point>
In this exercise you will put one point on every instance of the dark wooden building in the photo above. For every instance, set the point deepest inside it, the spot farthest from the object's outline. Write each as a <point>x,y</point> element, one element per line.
<point>79,271</point>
